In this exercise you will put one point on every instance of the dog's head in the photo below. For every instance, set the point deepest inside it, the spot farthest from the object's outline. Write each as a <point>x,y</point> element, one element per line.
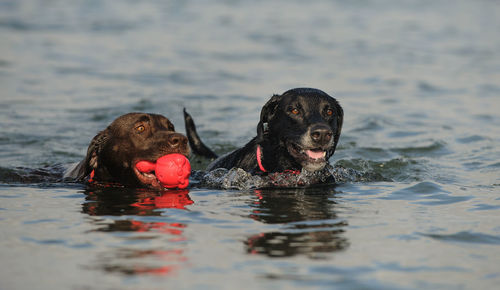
<point>305,123</point>
<point>115,151</point>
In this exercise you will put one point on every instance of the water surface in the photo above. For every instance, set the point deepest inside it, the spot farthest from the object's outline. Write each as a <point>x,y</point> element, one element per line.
<point>419,83</point>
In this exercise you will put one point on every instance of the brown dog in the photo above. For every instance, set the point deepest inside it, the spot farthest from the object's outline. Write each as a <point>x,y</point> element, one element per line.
<point>113,153</point>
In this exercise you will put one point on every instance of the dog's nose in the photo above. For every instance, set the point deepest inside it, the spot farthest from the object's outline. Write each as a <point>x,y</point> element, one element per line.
<point>176,140</point>
<point>321,134</point>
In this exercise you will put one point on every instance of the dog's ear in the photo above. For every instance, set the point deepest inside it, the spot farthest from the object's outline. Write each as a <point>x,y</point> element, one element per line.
<point>266,115</point>
<point>91,161</point>
<point>340,120</point>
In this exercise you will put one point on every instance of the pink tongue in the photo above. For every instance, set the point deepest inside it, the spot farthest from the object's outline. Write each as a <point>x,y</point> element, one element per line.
<point>315,155</point>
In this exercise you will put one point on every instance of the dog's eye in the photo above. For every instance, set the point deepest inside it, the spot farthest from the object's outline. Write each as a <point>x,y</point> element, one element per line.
<point>140,128</point>
<point>329,112</point>
<point>295,111</point>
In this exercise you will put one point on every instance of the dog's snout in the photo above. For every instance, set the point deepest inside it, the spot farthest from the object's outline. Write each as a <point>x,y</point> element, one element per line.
<point>176,140</point>
<point>321,134</point>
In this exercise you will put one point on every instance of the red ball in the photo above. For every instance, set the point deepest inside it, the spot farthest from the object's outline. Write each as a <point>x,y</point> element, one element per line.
<point>173,171</point>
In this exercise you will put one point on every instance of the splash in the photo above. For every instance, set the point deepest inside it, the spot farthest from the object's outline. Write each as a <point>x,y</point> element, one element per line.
<point>237,178</point>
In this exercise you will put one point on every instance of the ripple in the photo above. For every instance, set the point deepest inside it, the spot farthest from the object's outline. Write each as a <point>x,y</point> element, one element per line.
<point>398,169</point>
<point>40,221</point>
<point>471,139</point>
<point>47,174</point>
<point>485,207</point>
<point>432,89</point>
<point>489,90</point>
<point>403,268</point>
<point>466,237</point>
<point>428,87</point>
<point>493,165</point>
<point>44,241</point>
<point>15,24</point>
<point>427,193</point>
<point>4,63</point>
<point>373,123</point>
<point>436,148</point>
<point>112,26</point>
<point>405,133</point>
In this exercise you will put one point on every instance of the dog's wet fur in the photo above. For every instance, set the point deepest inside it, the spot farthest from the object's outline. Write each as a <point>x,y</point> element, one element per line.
<point>298,129</point>
<point>114,152</point>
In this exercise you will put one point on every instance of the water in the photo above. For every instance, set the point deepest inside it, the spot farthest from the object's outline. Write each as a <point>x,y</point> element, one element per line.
<point>419,83</point>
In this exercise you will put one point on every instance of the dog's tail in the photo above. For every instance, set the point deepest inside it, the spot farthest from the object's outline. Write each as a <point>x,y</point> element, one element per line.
<point>194,140</point>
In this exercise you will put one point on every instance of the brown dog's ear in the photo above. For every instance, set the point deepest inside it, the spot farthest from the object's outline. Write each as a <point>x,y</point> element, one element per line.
<point>266,115</point>
<point>91,161</point>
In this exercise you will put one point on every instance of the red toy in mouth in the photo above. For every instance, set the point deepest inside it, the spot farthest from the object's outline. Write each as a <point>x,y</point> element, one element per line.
<point>169,171</point>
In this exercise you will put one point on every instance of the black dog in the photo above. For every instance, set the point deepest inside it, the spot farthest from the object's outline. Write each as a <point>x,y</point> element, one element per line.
<point>114,152</point>
<point>298,130</point>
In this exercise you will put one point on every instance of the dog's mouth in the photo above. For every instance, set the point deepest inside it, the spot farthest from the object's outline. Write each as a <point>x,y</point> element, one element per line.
<point>148,178</point>
<point>312,159</point>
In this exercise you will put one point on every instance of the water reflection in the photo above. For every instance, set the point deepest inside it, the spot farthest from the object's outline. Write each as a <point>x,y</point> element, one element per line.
<point>140,262</point>
<point>134,218</point>
<point>125,201</point>
<point>310,224</point>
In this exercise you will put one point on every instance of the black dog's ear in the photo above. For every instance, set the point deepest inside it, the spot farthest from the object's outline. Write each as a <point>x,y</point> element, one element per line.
<point>91,161</point>
<point>266,115</point>
<point>340,120</point>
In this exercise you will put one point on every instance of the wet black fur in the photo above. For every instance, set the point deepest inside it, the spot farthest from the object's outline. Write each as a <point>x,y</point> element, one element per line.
<point>276,127</point>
